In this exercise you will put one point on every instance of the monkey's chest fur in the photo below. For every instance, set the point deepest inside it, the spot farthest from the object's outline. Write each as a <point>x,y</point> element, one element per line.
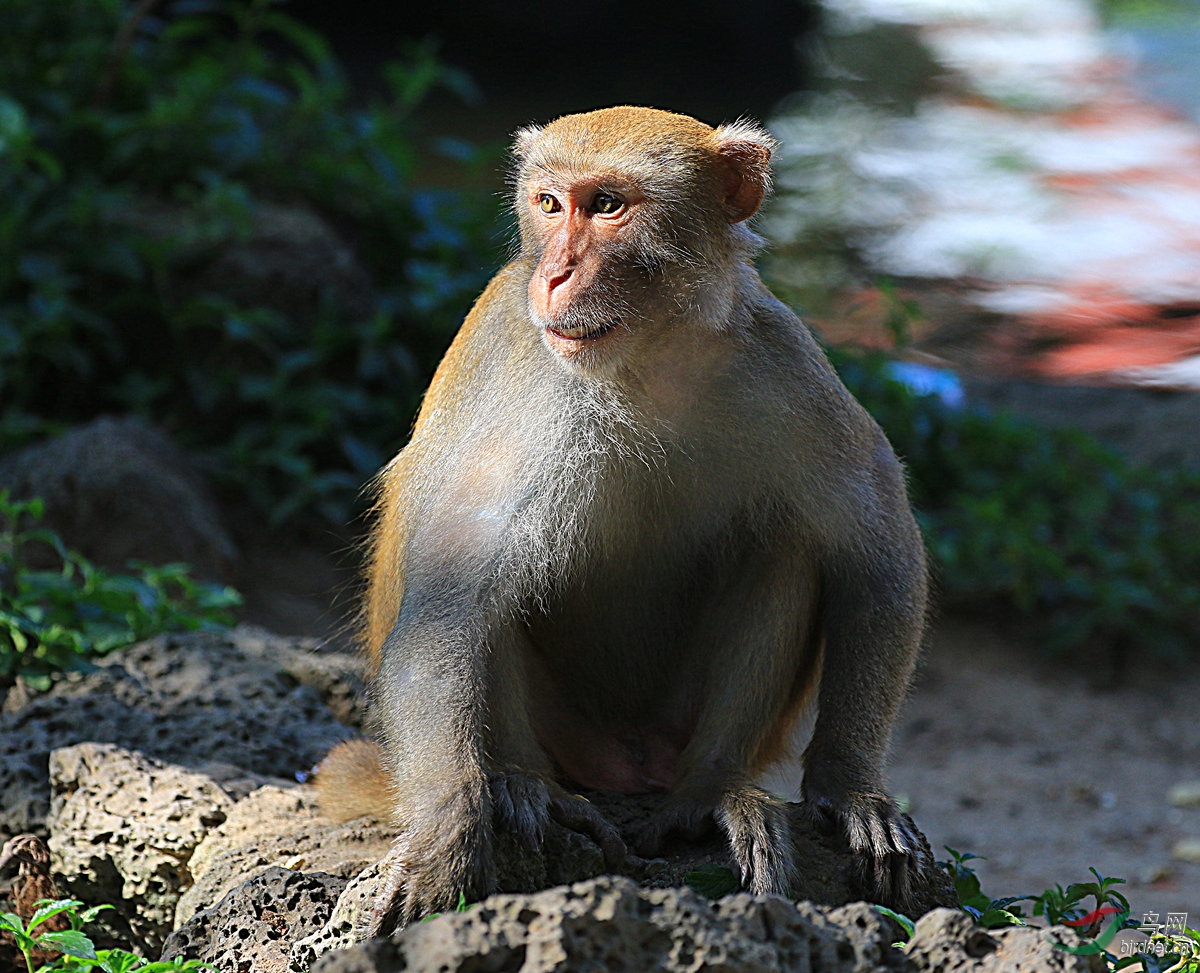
<point>625,644</point>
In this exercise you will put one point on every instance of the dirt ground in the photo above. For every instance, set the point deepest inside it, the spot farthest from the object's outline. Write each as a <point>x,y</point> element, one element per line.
<point>1047,768</point>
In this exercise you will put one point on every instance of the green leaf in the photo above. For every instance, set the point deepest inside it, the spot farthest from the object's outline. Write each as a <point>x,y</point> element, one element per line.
<point>71,941</point>
<point>713,881</point>
<point>12,922</point>
<point>906,923</point>
<point>51,907</point>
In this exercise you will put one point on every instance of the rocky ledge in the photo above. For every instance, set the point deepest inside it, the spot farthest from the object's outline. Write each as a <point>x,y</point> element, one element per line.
<point>164,778</point>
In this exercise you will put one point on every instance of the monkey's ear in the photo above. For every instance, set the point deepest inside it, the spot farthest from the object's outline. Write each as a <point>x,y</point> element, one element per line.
<point>746,151</point>
<point>523,141</point>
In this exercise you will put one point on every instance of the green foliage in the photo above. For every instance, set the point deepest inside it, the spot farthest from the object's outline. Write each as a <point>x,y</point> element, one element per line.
<point>78,951</point>
<point>461,906</point>
<point>70,942</point>
<point>989,913</point>
<point>903,921</point>
<point>53,618</point>
<point>1058,906</point>
<point>1102,554</point>
<point>134,148</point>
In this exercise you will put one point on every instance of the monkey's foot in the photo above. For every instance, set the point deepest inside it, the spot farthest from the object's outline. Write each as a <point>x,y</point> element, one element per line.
<point>891,852</point>
<point>428,871</point>
<point>524,802</point>
<point>756,824</point>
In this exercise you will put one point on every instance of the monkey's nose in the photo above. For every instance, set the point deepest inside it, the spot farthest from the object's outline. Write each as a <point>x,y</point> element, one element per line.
<point>556,278</point>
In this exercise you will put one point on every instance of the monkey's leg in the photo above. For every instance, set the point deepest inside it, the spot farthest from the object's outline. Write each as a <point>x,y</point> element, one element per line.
<point>754,641</point>
<point>452,703</point>
<point>872,616</point>
<point>524,795</point>
<point>428,699</point>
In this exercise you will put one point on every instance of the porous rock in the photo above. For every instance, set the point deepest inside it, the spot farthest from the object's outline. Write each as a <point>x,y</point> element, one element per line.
<point>612,924</point>
<point>253,927</point>
<point>122,830</point>
<point>277,827</point>
<point>232,704</point>
<point>118,489</point>
<point>827,873</point>
<point>948,941</point>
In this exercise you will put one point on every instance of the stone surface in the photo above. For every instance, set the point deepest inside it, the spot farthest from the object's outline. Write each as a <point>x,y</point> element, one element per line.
<point>827,874</point>
<point>253,927</point>
<point>611,924</point>
<point>118,489</point>
<point>122,830</point>
<point>242,705</point>
<point>277,827</point>
<point>948,941</point>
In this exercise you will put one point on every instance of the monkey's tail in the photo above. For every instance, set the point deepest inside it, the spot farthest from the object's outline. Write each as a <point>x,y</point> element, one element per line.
<point>351,783</point>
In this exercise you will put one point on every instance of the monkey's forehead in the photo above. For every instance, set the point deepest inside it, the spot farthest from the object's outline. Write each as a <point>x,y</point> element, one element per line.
<point>620,138</point>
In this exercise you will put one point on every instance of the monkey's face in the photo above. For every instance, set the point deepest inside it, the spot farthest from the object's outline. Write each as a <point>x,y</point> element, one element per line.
<point>591,286</point>
<point>627,217</point>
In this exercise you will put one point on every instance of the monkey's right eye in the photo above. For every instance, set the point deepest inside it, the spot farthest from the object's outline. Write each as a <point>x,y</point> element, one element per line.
<point>548,204</point>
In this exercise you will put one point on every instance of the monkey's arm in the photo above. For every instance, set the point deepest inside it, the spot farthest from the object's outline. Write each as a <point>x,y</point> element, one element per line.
<point>871,616</point>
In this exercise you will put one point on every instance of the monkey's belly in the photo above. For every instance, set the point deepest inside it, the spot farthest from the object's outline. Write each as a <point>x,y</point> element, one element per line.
<point>629,762</point>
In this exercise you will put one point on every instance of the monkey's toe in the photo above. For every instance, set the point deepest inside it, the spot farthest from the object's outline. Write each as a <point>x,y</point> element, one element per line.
<point>754,822</point>
<point>760,839</point>
<point>523,803</point>
<point>890,851</point>
<point>520,804</point>
<point>688,817</point>
<point>579,814</point>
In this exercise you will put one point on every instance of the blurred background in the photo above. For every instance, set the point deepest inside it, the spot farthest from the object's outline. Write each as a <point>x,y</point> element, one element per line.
<point>236,237</point>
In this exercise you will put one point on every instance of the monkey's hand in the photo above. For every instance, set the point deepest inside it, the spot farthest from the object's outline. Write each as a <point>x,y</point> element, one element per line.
<point>889,849</point>
<point>755,823</point>
<point>524,802</point>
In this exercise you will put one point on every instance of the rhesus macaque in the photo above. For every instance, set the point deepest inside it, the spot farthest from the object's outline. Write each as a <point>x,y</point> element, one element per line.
<point>640,524</point>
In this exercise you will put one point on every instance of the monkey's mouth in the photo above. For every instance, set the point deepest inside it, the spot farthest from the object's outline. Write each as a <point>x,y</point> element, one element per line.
<point>585,332</point>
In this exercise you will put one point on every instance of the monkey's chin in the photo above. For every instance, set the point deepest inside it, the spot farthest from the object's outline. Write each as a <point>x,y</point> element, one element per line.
<point>571,341</point>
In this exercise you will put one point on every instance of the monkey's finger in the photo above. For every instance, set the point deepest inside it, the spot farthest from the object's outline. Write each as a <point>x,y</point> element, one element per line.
<point>578,815</point>
<point>520,804</point>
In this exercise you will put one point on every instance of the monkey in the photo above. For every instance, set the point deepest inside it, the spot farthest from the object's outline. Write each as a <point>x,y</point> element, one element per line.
<point>640,527</point>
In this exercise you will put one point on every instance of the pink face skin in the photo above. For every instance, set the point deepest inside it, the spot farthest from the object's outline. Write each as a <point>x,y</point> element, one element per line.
<point>578,223</point>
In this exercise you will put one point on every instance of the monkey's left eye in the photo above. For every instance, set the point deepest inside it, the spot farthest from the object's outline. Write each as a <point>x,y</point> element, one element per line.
<point>606,203</point>
<point>548,204</point>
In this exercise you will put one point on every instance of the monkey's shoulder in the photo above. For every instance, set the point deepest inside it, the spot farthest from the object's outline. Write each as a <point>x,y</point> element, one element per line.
<point>780,356</point>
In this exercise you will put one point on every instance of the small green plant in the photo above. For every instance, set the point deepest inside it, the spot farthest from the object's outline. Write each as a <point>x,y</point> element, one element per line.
<point>78,951</point>
<point>903,921</point>
<point>69,942</point>
<point>1059,905</point>
<point>1067,907</point>
<point>462,906</point>
<point>54,618</point>
<point>989,913</point>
